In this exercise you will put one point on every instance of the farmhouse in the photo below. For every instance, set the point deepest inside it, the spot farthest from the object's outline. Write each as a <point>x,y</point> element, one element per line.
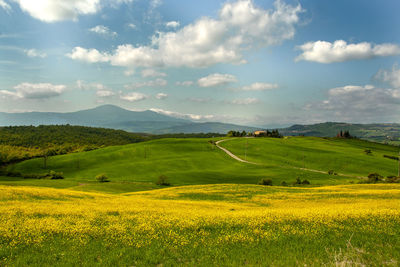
<point>258,133</point>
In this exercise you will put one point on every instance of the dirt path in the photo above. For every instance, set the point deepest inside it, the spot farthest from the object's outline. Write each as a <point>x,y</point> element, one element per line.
<point>231,154</point>
<point>255,163</point>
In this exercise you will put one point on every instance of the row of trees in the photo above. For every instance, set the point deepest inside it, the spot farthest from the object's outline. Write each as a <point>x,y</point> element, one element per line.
<point>267,133</point>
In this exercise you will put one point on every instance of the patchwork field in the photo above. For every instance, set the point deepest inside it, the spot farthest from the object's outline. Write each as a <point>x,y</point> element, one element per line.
<point>202,226</point>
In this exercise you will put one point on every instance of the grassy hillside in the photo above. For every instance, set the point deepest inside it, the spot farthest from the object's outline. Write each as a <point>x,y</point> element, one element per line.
<point>346,156</point>
<point>23,142</point>
<point>196,161</point>
<point>380,132</point>
<point>212,225</point>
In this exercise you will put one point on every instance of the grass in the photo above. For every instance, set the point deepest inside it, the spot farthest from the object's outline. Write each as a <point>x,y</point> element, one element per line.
<point>346,156</point>
<point>204,225</point>
<point>195,161</point>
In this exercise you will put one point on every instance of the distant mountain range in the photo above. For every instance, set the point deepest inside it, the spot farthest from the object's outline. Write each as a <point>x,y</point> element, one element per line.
<point>110,116</point>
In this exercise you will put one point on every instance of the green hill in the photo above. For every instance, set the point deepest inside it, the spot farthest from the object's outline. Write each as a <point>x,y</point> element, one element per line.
<point>378,132</point>
<point>196,161</point>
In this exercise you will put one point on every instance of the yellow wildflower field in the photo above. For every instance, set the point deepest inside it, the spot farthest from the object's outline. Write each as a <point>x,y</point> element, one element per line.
<point>198,217</point>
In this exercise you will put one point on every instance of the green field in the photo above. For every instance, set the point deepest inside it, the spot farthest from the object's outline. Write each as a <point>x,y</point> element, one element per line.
<point>195,161</point>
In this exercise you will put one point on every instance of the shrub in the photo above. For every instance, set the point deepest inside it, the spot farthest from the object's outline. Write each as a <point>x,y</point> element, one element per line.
<point>374,177</point>
<point>392,179</point>
<point>284,183</point>
<point>368,151</point>
<point>265,181</point>
<point>102,178</point>
<point>55,175</point>
<point>305,182</point>
<point>391,157</point>
<point>331,172</point>
<point>163,180</point>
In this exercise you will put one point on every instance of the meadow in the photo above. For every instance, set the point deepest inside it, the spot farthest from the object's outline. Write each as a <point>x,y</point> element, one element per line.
<point>194,161</point>
<point>202,225</point>
<point>214,214</point>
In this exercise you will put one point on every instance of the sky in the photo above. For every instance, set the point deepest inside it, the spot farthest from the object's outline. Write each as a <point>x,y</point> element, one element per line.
<point>260,62</point>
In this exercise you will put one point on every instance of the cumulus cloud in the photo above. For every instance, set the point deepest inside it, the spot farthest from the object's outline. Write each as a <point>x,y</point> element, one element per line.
<point>260,86</point>
<point>132,26</point>
<point>103,31</point>
<point>134,97</point>
<point>88,55</point>
<point>104,93</point>
<point>340,51</point>
<point>172,24</point>
<point>35,53</point>
<point>34,91</point>
<point>182,115</point>
<point>53,11</point>
<point>153,83</point>
<point>245,101</point>
<point>152,73</point>
<point>390,76</point>
<point>352,102</point>
<point>216,79</point>
<point>239,27</point>
<point>185,83</point>
<point>161,96</point>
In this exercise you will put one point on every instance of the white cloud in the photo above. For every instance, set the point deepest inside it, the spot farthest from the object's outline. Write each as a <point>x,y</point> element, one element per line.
<point>103,31</point>
<point>90,86</point>
<point>59,10</point>
<point>153,83</point>
<point>152,73</point>
<point>340,51</point>
<point>199,99</point>
<point>132,26</point>
<point>88,55</point>
<point>185,83</point>
<point>182,115</point>
<point>260,86</point>
<point>352,102</point>
<point>5,6</point>
<point>161,96</point>
<point>134,96</point>
<point>390,76</point>
<point>35,53</point>
<point>104,93</point>
<point>245,101</point>
<point>216,79</point>
<point>349,89</point>
<point>172,24</point>
<point>34,91</point>
<point>239,27</point>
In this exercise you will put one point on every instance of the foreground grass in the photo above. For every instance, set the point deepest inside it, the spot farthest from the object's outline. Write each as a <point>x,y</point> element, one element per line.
<point>202,225</point>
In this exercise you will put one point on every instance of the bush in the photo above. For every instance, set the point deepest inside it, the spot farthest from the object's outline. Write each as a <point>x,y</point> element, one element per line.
<point>55,175</point>
<point>331,172</point>
<point>300,182</point>
<point>391,157</point>
<point>265,182</point>
<point>163,180</point>
<point>392,179</point>
<point>374,177</point>
<point>102,178</point>
<point>368,151</point>
<point>284,183</point>
<point>305,182</point>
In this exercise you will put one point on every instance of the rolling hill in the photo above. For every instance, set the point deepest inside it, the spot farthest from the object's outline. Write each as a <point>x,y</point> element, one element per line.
<point>195,161</point>
<point>378,132</point>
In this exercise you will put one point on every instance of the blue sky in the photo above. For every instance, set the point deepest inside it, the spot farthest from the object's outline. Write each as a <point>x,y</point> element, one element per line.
<point>257,62</point>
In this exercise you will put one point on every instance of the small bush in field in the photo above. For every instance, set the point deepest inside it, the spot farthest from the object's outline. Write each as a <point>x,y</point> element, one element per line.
<point>102,178</point>
<point>284,183</point>
<point>163,180</point>
<point>305,181</point>
<point>265,181</point>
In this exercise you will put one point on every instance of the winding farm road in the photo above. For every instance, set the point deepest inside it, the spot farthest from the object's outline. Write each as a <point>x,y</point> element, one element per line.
<point>255,163</point>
